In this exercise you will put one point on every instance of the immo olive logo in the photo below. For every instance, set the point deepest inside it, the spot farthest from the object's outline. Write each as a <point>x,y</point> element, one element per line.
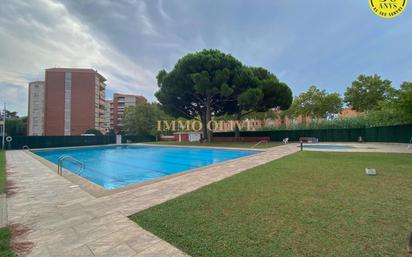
<point>388,8</point>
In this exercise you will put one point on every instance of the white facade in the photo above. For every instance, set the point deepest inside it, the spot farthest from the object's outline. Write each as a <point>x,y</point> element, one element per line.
<point>36,108</point>
<point>195,136</point>
<point>67,103</point>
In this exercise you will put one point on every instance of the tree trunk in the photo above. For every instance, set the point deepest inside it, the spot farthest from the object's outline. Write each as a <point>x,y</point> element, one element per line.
<point>237,130</point>
<point>208,119</point>
<point>204,125</point>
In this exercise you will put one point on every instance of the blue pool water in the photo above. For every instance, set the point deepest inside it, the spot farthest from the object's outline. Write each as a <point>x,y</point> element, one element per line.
<point>117,166</point>
<point>328,147</point>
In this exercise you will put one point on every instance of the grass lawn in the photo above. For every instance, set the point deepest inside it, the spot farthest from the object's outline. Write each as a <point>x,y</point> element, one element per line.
<point>306,204</point>
<point>220,144</point>
<point>5,250</point>
<point>2,172</point>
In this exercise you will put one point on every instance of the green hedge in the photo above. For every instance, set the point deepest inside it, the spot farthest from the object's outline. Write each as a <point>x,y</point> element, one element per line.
<point>395,134</point>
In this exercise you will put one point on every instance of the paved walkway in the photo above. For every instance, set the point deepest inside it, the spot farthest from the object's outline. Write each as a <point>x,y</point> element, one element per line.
<point>63,220</point>
<point>3,210</point>
<point>368,147</point>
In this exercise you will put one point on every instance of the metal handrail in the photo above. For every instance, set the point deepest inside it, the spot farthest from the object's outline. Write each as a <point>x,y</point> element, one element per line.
<point>82,166</point>
<point>258,143</point>
<point>25,147</point>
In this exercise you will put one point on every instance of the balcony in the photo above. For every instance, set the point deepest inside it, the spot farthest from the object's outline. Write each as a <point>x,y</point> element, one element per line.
<point>102,86</point>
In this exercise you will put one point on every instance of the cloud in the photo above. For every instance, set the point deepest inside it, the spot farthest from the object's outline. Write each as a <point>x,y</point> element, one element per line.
<point>14,97</point>
<point>44,34</point>
<point>162,11</point>
<point>144,20</point>
<point>129,41</point>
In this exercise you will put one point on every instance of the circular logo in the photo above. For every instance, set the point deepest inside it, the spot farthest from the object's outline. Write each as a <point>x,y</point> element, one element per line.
<point>388,8</point>
<point>9,139</point>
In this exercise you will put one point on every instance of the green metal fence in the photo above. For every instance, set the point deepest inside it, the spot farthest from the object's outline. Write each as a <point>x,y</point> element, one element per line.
<point>58,141</point>
<point>137,139</point>
<point>395,134</point>
<point>66,141</point>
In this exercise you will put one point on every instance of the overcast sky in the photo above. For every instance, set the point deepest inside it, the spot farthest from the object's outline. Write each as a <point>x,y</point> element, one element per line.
<point>320,42</point>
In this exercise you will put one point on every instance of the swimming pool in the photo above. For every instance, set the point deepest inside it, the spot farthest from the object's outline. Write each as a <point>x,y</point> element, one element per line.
<point>117,166</point>
<point>328,147</point>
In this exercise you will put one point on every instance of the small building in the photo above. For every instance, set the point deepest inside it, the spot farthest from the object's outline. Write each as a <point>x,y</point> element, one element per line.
<point>187,136</point>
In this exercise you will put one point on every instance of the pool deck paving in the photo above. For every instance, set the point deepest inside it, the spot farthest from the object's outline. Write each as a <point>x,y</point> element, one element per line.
<point>3,210</point>
<point>367,147</point>
<point>55,218</point>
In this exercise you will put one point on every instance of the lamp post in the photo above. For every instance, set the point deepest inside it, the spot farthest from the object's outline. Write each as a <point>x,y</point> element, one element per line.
<point>4,127</point>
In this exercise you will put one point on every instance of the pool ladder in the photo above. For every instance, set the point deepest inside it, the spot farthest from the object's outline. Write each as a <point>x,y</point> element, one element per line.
<point>81,165</point>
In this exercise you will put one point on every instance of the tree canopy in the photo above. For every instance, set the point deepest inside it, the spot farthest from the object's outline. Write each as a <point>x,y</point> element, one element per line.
<point>93,131</point>
<point>16,126</point>
<point>367,92</point>
<point>404,102</point>
<point>11,114</point>
<point>399,108</point>
<point>142,119</point>
<point>259,90</point>
<point>316,103</point>
<point>198,86</point>
<point>211,83</point>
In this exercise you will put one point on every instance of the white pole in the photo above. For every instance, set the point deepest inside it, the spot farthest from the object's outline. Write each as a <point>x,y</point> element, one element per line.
<point>4,126</point>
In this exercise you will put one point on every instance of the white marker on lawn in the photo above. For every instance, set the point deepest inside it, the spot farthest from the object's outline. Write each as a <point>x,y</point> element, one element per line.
<point>370,172</point>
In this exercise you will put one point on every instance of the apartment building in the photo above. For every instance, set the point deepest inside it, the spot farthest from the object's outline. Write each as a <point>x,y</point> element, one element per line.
<point>118,106</point>
<point>35,119</point>
<point>74,101</point>
<point>107,106</point>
